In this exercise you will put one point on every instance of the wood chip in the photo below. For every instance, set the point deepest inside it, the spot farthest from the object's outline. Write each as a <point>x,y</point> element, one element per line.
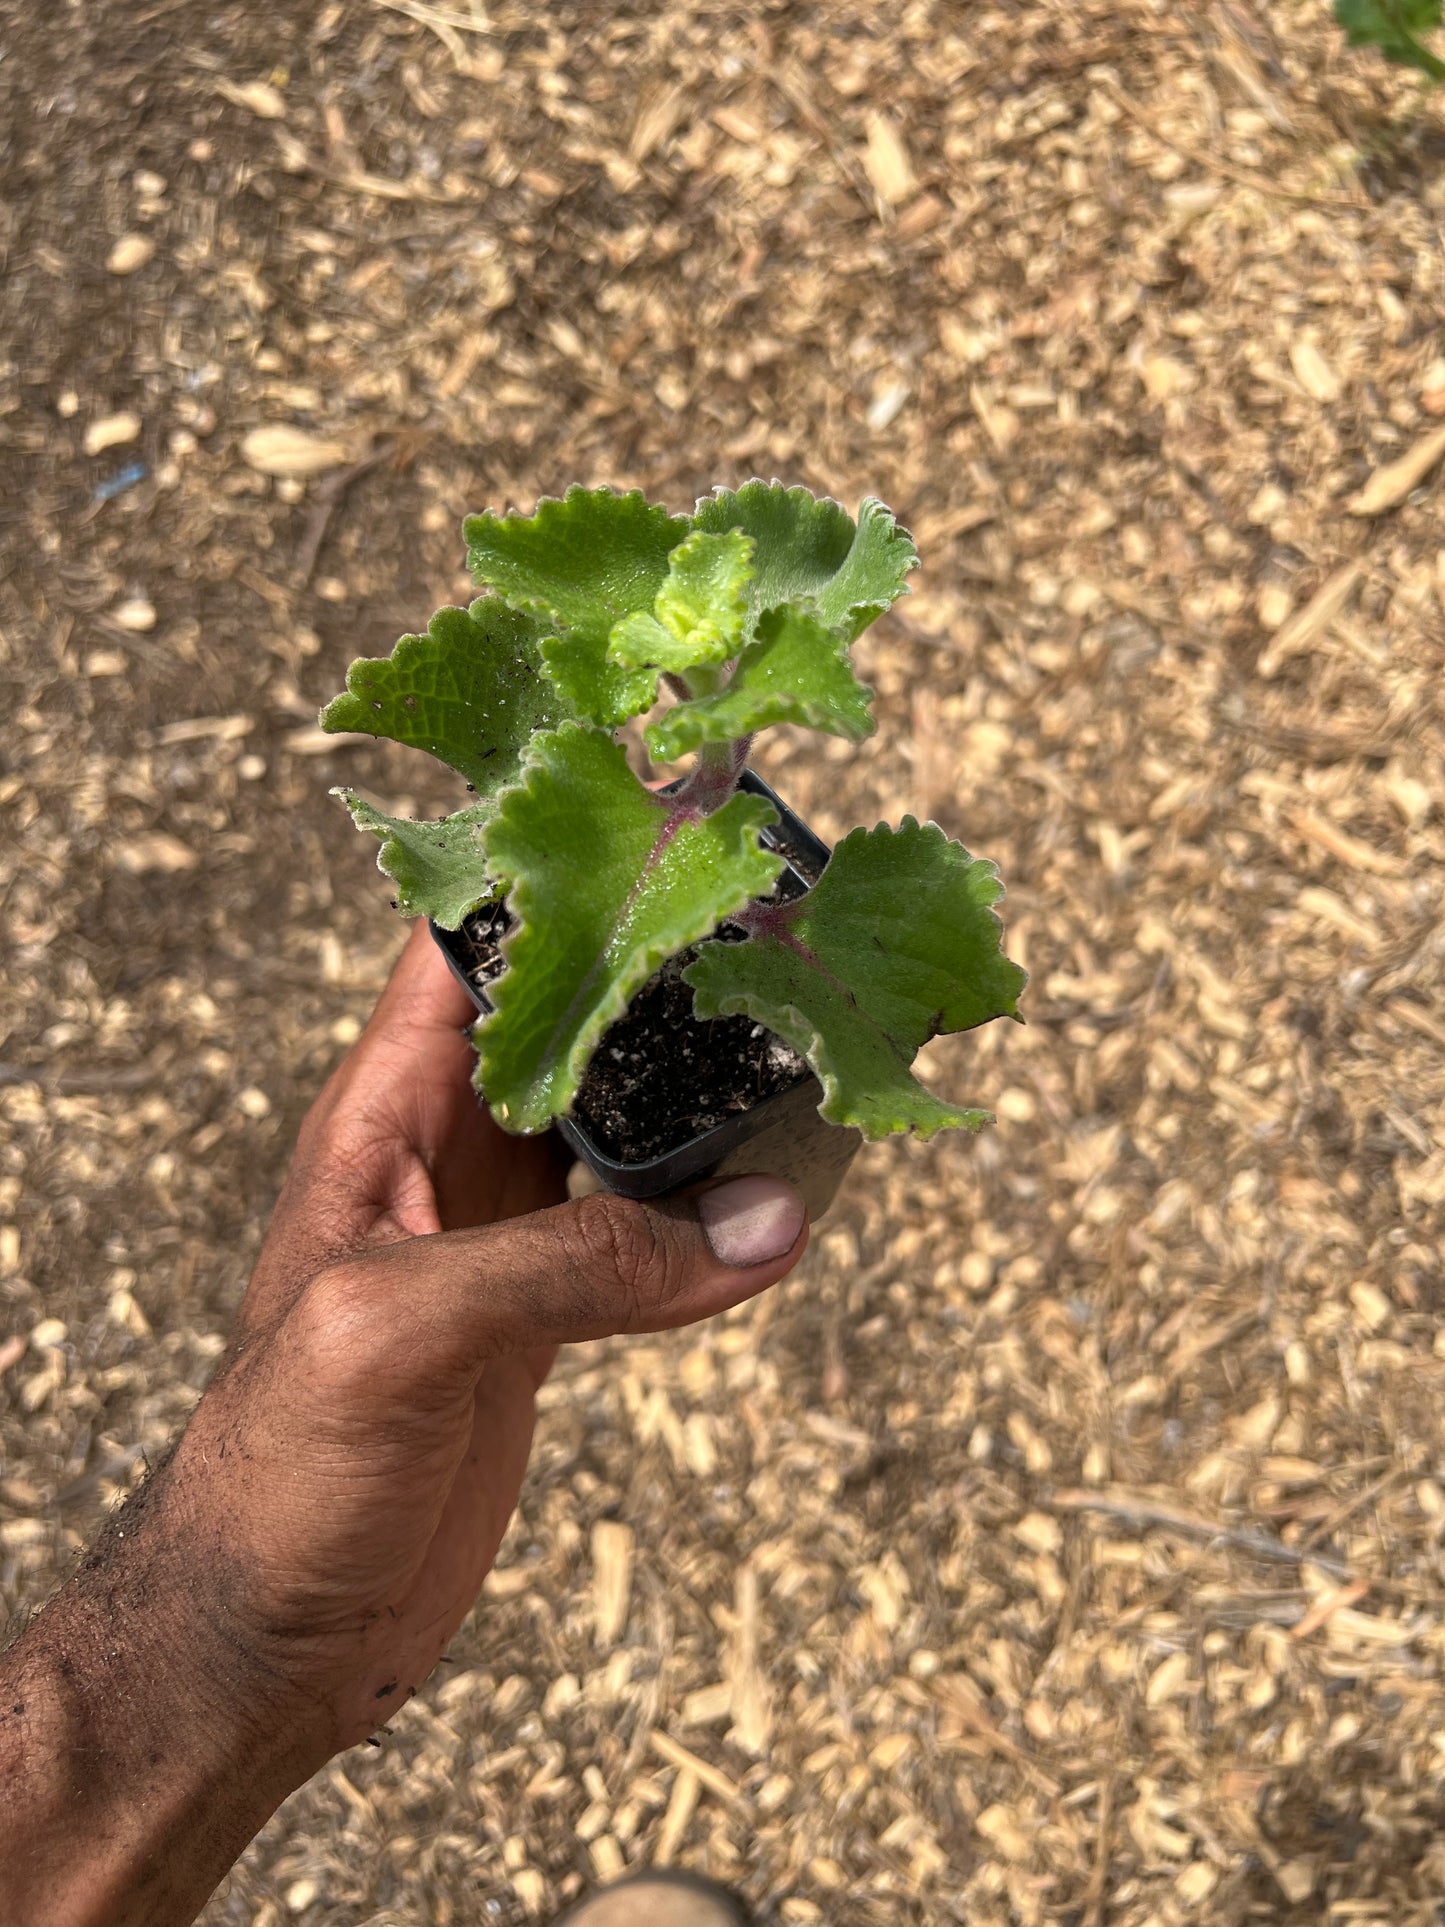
<point>1303,631</point>
<point>658,117</point>
<point>1388,487</point>
<point>1141,1510</point>
<point>136,614</point>
<point>1244,176</point>
<point>1339,843</point>
<point>1168,1681</point>
<point>612,1544</point>
<point>965,1713</point>
<point>712,1777</point>
<point>315,741</point>
<point>258,97</point>
<point>158,851</point>
<point>706,1704</point>
<point>741,127</point>
<point>111,431</point>
<point>1000,424</point>
<point>279,449</point>
<point>1313,372</point>
<point>1296,1879</point>
<point>1333,909</point>
<point>920,217</point>
<point>194,729</point>
<point>752,1700</point>
<point>1418,1019</point>
<point>886,162</point>
<point>1327,1605</point>
<point>680,1809</point>
<point>130,253</point>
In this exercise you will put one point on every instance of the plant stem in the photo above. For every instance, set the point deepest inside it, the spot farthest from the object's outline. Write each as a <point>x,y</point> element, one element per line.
<point>715,776</point>
<point>762,919</point>
<point>724,761</point>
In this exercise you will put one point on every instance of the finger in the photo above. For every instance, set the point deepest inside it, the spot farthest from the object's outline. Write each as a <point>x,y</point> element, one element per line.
<point>426,1316</point>
<point>539,1361</point>
<point>415,1064</point>
<point>405,1095</point>
<point>421,993</point>
<point>411,1074</point>
<point>419,1020</point>
<point>413,1047</point>
<point>398,1144</point>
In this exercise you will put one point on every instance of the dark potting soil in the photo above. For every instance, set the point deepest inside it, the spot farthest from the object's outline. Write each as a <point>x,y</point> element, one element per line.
<point>660,1077</point>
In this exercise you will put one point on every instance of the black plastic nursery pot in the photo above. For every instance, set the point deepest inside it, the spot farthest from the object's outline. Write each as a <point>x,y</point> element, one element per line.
<point>779,1132</point>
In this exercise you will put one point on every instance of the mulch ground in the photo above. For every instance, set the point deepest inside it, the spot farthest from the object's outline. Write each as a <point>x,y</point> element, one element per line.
<point>1063,1543</point>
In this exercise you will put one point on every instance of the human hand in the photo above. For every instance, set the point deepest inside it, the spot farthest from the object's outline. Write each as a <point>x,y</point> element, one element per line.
<point>295,1570</point>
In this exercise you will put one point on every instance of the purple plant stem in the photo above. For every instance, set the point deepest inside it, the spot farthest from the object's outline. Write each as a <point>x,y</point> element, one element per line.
<point>715,777</point>
<point>772,921</point>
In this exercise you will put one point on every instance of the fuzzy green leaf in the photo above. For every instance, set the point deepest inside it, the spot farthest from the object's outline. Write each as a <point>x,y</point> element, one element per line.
<point>606,881</point>
<point>797,671</point>
<point>700,609</point>
<point>470,691</point>
<point>896,943</point>
<point>1394,26</point>
<point>594,687</point>
<point>808,548</point>
<point>581,564</point>
<point>439,869</point>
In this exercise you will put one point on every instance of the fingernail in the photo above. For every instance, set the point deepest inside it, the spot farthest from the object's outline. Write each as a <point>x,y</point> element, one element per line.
<point>750,1221</point>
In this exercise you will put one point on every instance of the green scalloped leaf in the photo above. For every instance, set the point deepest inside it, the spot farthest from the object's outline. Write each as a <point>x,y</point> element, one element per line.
<point>470,691</point>
<point>606,882</point>
<point>700,609</point>
<point>808,548</point>
<point>439,869</point>
<point>797,671</point>
<point>896,943</point>
<point>582,565</point>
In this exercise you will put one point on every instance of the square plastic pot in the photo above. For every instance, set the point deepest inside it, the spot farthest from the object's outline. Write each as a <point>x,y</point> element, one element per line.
<point>783,1134</point>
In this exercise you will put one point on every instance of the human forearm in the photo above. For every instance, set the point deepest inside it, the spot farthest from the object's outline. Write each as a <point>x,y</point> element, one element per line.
<point>293,1573</point>
<point>139,1750</point>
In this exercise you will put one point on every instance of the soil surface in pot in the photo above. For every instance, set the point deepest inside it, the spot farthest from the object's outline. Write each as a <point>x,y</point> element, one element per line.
<point>660,1077</point>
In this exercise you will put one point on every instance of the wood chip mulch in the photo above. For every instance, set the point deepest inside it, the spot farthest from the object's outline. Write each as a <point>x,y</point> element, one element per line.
<point>1063,1544</point>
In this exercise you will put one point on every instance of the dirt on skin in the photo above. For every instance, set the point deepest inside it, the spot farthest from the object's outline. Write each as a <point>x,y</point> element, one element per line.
<point>1062,1545</point>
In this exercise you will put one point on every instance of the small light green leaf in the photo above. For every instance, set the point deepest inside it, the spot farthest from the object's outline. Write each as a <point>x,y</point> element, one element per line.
<point>438,868</point>
<point>592,686</point>
<point>704,600</point>
<point>808,548</point>
<point>700,609</point>
<point>640,640</point>
<point>896,943</point>
<point>606,881</point>
<point>582,564</point>
<point>470,691</point>
<point>797,671</point>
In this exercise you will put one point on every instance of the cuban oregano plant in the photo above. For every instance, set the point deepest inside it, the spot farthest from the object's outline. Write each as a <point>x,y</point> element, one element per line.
<point>596,609</point>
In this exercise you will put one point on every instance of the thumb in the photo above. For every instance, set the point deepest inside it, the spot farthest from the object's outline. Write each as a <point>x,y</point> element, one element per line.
<point>448,1304</point>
